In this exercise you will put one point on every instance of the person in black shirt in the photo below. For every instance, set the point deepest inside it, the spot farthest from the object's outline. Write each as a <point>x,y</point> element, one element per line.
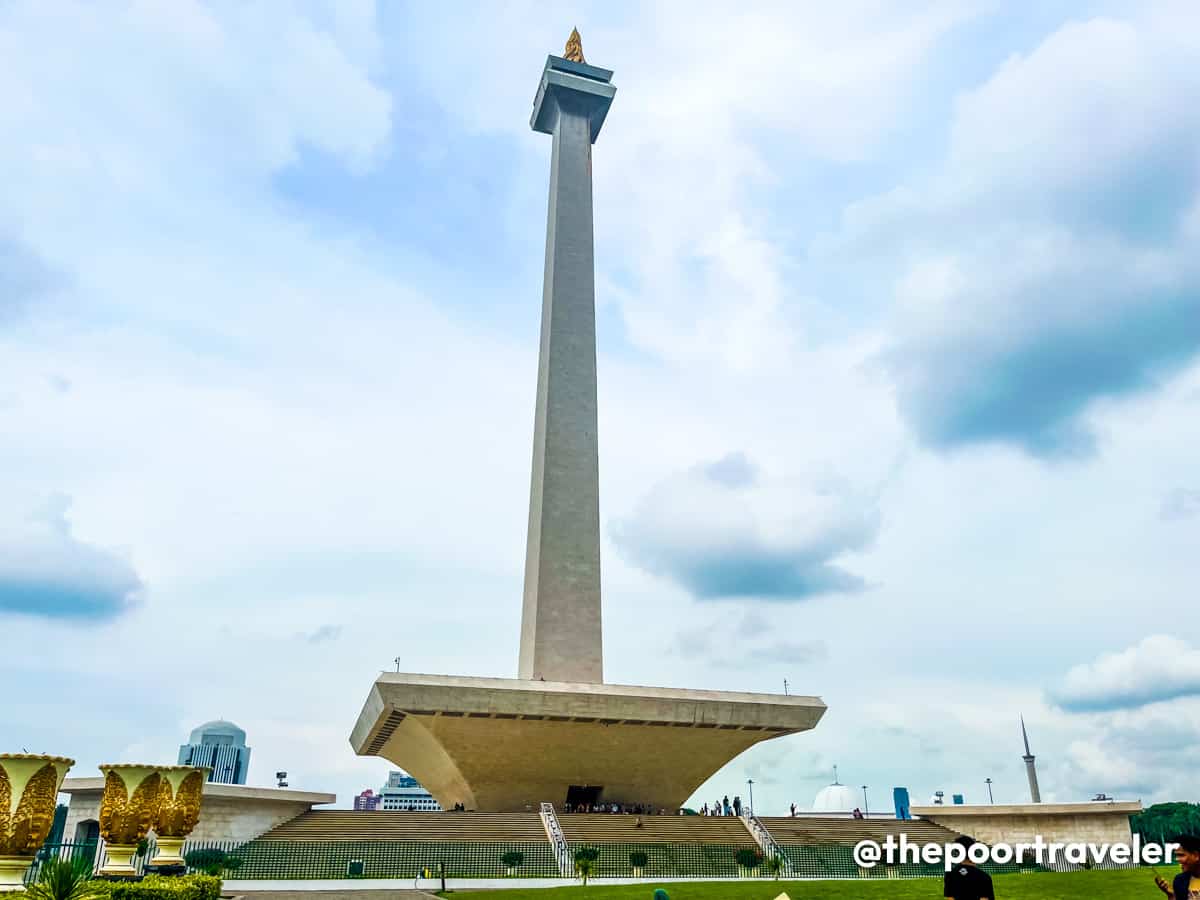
<point>1186,885</point>
<point>966,881</point>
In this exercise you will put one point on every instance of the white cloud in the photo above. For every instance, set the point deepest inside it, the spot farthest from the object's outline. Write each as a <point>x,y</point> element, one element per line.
<point>1049,262</point>
<point>1157,668</point>
<point>780,539</point>
<point>293,423</point>
<point>45,571</point>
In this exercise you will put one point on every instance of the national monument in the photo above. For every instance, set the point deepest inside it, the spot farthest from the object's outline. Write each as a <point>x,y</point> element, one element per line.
<point>557,732</point>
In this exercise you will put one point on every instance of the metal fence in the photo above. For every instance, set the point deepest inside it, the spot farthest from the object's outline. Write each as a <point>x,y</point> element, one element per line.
<point>94,851</point>
<point>406,859</point>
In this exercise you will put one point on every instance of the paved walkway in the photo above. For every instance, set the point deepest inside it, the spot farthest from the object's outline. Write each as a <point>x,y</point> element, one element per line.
<point>399,894</point>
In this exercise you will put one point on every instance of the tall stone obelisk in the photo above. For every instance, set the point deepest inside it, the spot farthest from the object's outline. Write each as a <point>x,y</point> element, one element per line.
<point>561,636</point>
<point>1035,793</point>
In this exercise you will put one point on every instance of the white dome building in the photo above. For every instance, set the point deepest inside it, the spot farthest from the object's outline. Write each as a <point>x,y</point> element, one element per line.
<point>837,798</point>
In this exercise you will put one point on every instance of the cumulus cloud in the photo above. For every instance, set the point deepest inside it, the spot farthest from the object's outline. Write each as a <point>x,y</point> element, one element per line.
<point>1054,259</point>
<point>1156,669</point>
<point>1135,753</point>
<point>719,534</point>
<point>46,571</point>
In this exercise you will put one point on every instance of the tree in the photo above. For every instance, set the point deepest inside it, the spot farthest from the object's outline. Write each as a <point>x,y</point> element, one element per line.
<point>1165,821</point>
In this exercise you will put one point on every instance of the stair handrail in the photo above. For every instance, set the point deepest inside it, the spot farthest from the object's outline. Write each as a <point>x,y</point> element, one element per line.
<point>766,841</point>
<point>562,852</point>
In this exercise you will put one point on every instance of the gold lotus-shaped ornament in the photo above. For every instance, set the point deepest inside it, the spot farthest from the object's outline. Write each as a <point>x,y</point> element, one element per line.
<point>179,800</point>
<point>129,804</point>
<point>29,786</point>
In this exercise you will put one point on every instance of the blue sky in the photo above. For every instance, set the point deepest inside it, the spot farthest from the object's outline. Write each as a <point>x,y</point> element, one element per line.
<point>899,326</point>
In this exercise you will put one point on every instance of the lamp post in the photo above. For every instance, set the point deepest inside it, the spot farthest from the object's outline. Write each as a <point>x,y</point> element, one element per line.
<point>990,798</point>
<point>866,805</point>
<point>750,782</point>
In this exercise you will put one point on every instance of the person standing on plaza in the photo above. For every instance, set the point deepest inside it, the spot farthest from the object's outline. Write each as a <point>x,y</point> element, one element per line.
<point>966,881</point>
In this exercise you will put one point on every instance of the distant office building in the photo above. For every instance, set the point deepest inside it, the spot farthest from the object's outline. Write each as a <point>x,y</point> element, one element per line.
<point>405,793</point>
<point>368,799</point>
<point>221,746</point>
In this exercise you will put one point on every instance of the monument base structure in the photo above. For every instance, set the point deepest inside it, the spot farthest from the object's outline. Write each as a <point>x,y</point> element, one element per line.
<point>504,744</point>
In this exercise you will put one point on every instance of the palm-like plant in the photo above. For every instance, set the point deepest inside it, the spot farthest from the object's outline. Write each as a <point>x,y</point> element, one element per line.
<point>585,861</point>
<point>64,878</point>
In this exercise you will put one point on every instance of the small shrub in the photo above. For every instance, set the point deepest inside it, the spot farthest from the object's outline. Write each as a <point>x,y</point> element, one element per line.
<point>638,859</point>
<point>212,861</point>
<point>512,859</point>
<point>160,887</point>
<point>747,858</point>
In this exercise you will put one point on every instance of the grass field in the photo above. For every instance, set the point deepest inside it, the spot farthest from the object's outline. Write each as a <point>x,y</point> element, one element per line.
<point>1126,884</point>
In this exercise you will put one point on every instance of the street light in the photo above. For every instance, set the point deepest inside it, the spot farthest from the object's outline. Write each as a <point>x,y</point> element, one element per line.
<point>989,784</point>
<point>866,805</point>
<point>750,781</point>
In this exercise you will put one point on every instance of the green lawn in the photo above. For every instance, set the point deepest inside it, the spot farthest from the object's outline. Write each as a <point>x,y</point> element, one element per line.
<point>1126,884</point>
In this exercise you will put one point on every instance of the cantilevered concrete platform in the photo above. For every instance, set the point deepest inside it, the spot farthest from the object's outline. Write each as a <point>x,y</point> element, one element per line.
<point>501,744</point>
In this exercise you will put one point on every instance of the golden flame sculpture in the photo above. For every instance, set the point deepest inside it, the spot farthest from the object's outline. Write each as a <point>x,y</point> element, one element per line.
<point>29,786</point>
<point>179,797</point>
<point>128,810</point>
<point>574,51</point>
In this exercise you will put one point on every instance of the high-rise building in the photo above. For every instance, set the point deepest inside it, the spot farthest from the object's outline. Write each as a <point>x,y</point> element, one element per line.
<point>221,746</point>
<point>405,793</point>
<point>367,800</point>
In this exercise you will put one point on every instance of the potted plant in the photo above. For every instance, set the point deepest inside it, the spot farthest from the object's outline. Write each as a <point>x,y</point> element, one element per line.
<point>511,860</point>
<point>748,860</point>
<point>638,860</point>
<point>585,862</point>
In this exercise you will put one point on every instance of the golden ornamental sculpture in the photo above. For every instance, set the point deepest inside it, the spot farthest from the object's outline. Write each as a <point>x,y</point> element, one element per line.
<point>574,51</point>
<point>128,810</point>
<point>179,797</point>
<point>29,786</point>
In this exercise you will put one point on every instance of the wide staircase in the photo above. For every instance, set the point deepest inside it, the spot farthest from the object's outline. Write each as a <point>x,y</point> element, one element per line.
<point>675,846</point>
<point>823,847</point>
<point>376,844</point>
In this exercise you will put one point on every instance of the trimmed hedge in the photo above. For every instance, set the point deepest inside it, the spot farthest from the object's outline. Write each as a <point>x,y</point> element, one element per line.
<point>161,887</point>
